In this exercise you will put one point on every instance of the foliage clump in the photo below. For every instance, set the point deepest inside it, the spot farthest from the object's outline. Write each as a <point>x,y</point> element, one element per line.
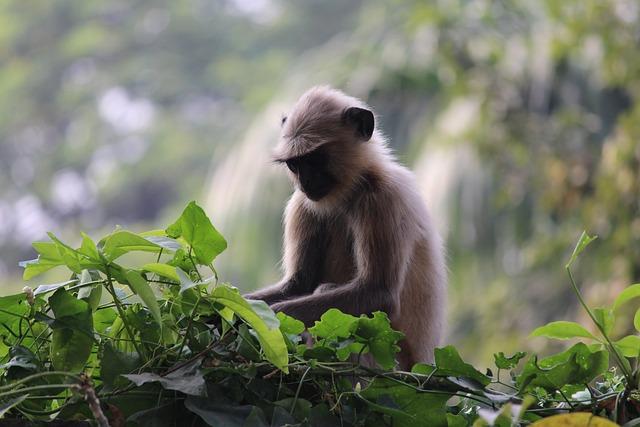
<point>163,343</point>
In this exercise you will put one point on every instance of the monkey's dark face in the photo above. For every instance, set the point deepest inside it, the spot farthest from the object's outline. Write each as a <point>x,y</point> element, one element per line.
<point>312,173</point>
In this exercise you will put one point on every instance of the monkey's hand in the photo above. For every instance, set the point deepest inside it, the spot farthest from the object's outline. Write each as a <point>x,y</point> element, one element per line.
<point>325,287</point>
<point>269,295</point>
<point>286,308</point>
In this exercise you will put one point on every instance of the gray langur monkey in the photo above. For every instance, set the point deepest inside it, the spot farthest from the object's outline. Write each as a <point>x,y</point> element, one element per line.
<point>357,235</point>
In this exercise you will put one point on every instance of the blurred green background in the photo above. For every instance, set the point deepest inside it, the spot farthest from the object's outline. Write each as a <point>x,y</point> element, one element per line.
<point>520,119</point>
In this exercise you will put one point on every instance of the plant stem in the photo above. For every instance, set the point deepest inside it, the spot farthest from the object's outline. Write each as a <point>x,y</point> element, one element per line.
<point>618,357</point>
<point>37,376</point>
<point>34,388</point>
<point>186,332</point>
<point>195,267</point>
<point>116,300</point>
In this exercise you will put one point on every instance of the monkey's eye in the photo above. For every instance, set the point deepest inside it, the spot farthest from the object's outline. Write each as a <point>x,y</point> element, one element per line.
<point>284,119</point>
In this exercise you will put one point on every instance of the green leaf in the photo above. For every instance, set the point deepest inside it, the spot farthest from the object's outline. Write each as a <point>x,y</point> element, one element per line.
<point>605,318</point>
<point>627,294</point>
<point>299,408</point>
<point>218,414</point>
<point>577,365</point>
<point>121,242</point>
<point>165,242</point>
<point>196,229</point>
<point>104,318</point>
<point>88,248</point>
<point>334,324</point>
<point>320,416</point>
<point>185,281</point>
<point>289,325</point>
<point>141,287</point>
<point>406,406</point>
<point>188,379</point>
<point>380,337</point>
<point>115,363</point>
<point>629,346</point>
<point>318,352</point>
<point>44,289</point>
<point>21,359</point>
<point>163,270</point>
<point>282,417</point>
<point>583,242</point>
<point>48,258</point>
<point>91,294</point>
<point>271,339</point>
<point>504,362</point>
<point>154,415</point>
<point>456,421</point>
<point>449,363</point>
<point>263,310</point>
<point>12,309</point>
<point>5,406</point>
<point>63,304</point>
<point>72,337</point>
<point>290,328</point>
<point>636,320</point>
<point>70,256</point>
<point>562,330</point>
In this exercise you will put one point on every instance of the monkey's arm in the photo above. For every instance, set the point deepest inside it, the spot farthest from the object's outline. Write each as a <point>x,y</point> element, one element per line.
<point>381,249</point>
<point>304,245</point>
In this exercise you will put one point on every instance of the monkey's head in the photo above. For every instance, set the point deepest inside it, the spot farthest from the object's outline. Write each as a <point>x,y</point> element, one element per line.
<point>323,141</point>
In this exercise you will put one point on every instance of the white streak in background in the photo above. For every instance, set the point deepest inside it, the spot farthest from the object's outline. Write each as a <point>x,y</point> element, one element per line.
<point>103,164</point>
<point>458,118</point>
<point>448,163</point>
<point>627,10</point>
<point>124,113</point>
<point>7,219</point>
<point>512,260</point>
<point>70,192</point>
<point>260,11</point>
<point>156,21</point>
<point>246,169</point>
<point>515,59</point>
<point>424,46</point>
<point>444,173</point>
<point>31,221</point>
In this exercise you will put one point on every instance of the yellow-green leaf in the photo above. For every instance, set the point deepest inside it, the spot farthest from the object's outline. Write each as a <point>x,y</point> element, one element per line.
<point>163,270</point>
<point>583,242</point>
<point>629,346</point>
<point>562,330</point>
<point>141,287</point>
<point>269,335</point>
<point>627,294</point>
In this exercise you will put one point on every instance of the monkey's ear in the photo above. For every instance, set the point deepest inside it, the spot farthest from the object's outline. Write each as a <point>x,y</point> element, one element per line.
<point>362,120</point>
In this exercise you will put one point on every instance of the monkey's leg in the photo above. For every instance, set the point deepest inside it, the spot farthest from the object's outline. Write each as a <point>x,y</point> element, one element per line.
<point>281,291</point>
<point>269,295</point>
<point>354,299</point>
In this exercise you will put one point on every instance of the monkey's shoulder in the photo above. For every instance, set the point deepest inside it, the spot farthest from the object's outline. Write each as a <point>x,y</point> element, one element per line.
<point>385,190</point>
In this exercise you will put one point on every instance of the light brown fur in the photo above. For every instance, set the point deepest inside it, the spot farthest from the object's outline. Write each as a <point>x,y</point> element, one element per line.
<point>369,244</point>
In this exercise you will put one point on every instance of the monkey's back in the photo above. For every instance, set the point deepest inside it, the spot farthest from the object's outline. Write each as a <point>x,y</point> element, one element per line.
<point>423,295</point>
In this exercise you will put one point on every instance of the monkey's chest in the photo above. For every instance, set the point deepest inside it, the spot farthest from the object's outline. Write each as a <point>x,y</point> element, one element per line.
<point>339,261</point>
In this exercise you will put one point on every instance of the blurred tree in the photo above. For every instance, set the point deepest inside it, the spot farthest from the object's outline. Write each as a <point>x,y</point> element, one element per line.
<point>520,119</point>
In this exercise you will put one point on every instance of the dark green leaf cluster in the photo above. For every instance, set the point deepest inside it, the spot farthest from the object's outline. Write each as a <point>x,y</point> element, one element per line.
<point>165,344</point>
